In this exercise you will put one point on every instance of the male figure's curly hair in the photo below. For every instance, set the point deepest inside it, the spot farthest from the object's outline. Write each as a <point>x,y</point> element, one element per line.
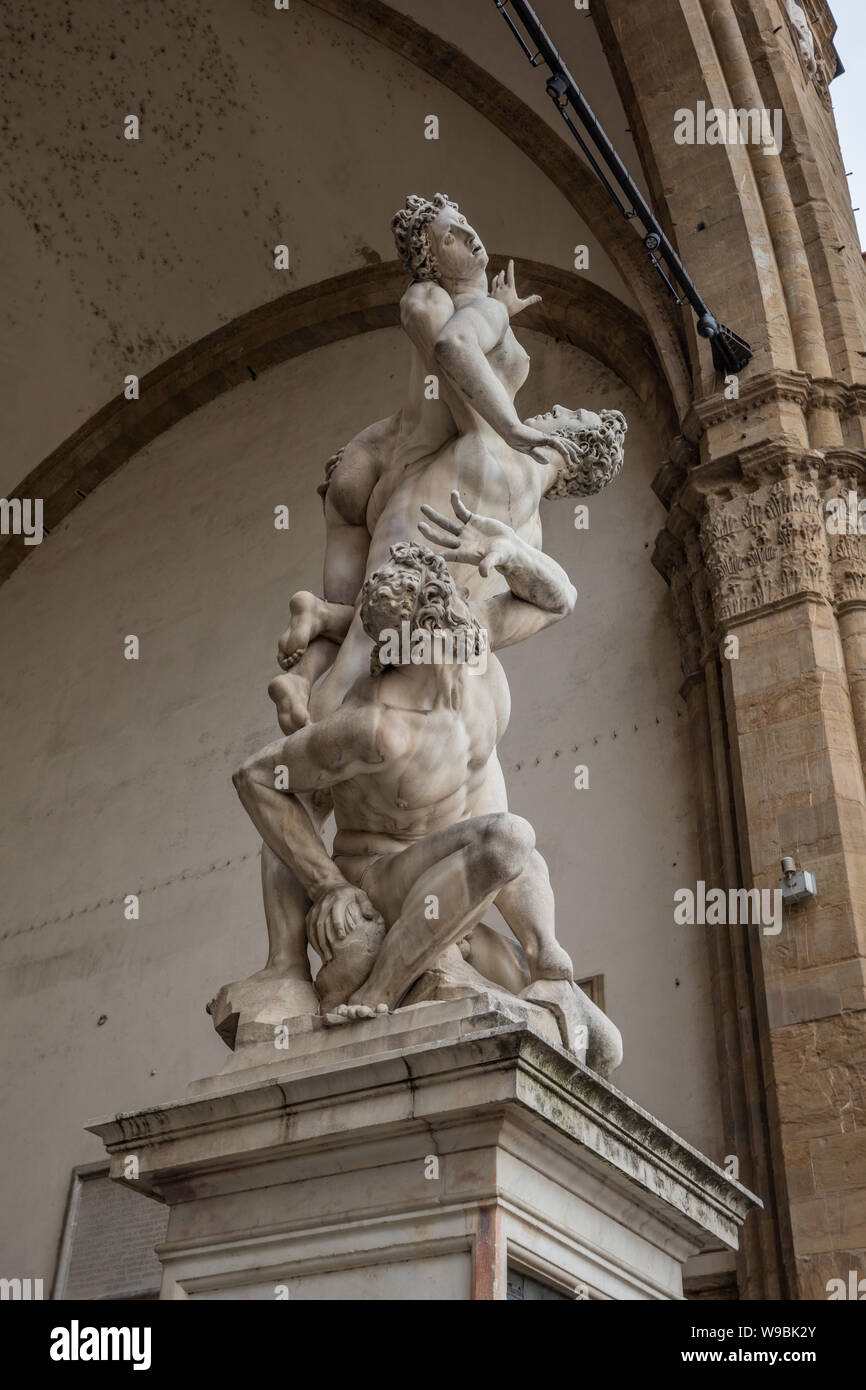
<point>434,606</point>
<point>594,456</point>
<point>412,236</point>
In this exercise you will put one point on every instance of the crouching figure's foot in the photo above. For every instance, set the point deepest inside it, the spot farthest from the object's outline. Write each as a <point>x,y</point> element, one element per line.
<point>552,962</point>
<point>351,1013</point>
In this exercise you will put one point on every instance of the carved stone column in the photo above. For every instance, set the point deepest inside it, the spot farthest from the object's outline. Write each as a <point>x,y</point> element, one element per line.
<point>779,725</point>
<point>848,567</point>
<point>790,724</point>
<point>732,952</point>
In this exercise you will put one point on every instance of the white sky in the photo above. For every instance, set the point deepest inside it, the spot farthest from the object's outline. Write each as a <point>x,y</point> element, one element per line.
<point>849,98</point>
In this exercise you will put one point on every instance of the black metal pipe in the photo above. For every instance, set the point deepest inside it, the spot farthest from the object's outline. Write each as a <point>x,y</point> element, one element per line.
<point>730,352</point>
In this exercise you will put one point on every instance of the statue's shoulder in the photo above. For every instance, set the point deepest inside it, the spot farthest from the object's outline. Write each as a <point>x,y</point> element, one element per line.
<point>425,297</point>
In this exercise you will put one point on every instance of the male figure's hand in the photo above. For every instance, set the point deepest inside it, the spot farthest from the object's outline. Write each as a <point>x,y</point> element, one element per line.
<point>502,288</point>
<point>471,539</point>
<point>335,915</point>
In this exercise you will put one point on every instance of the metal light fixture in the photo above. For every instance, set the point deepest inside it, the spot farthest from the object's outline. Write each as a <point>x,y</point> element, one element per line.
<point>796,884</point>
<point>731,353</point>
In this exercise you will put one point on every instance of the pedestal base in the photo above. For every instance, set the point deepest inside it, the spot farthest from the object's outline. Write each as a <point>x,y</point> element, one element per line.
<point>421,1157</point>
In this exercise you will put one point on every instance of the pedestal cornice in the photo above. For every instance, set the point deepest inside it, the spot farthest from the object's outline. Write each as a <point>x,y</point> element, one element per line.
<point>499,1079</point>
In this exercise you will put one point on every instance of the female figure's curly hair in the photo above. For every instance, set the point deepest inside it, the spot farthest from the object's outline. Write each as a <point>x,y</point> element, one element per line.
<point>412,236</point>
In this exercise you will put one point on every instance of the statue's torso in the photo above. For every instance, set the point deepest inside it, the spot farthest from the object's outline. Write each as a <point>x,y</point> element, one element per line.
<point>448,771</point>
<point>491,478</point>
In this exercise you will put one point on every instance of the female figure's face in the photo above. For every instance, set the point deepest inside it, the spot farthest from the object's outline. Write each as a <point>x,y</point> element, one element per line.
<point>458,248</point>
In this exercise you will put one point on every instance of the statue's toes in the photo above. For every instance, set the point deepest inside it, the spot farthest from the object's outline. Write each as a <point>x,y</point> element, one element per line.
<point>352,1013</point>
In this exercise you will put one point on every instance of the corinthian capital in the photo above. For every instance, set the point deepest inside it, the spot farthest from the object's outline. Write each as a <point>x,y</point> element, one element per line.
<point>764,540</point>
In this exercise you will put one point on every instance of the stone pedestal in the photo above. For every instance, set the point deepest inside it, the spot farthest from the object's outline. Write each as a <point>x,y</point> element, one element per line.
<point>422,1155</point>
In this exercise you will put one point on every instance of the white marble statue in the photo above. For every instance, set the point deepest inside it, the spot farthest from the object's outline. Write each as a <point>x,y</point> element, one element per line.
<point>469,441</point>
<point>805,37</point>
<point>425,842</point>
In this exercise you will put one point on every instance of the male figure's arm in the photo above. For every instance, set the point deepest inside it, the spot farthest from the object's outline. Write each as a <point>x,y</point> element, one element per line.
<point>540,592</point>
<point>425,308</point>
<point>351,742</point>
<point>312,759</point>
<point>337,906</point>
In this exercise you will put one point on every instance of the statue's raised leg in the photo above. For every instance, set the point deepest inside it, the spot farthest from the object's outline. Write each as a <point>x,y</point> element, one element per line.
<point>527,905</point>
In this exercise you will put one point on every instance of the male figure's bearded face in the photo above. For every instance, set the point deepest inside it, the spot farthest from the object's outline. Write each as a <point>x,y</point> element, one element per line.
<point>418,597</point>
<point>560,417</point>
<point>593,445</point>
